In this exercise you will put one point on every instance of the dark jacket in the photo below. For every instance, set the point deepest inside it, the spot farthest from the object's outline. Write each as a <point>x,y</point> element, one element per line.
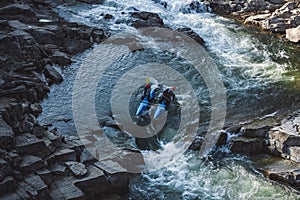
<point>167,96</point>
<point>146,93</point>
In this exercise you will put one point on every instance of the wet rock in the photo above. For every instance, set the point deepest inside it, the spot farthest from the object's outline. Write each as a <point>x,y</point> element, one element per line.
<point>38,131</point>
<point>284,140</point>
<point>254,131</point>
<point>89,155</point>
<point>196,144</point>
<point>35,187</point>
<point>65,189</point>
<point>146,19</point>
<point>13,196</point>
<point>57,171</point>
<point>220,7</point>
<point>62,156</point>
<point>195,7</point>
<point>293,34</point>
<point>8,184</point>
<point>53,76</point>
<point>45,175</point>
<point>222,140</point>
<point>61,58</point>
<point>13,158</point>
<point>6,136</point>
<point>54,137</point>
<point>90,184</point>
<point>278,169</point>
<point>18,9</point>
<point>35,109</point>
<point>5,169</point>
<point>77,169</point>
<point>28,144</point>
<point>248,146</point>
<point>189,32</point>
<point>116,174</point>
<point>31,164</point>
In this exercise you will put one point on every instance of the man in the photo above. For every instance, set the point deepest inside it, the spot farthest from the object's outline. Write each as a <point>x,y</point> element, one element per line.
<point>167,96</point>
<point>146,93</point>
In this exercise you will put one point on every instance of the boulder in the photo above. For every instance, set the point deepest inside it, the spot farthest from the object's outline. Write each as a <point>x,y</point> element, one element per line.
<point>77,169</point>
<point>90,184</point>
<point>6,135</point>
<point>35,187</point>
<point>45,175</point>
<point>189,32</point>
<point>51,73</point>
<point>146,19</point>
<point>65,189</point>
<point>293,34</point>
<point>5,169</point>
<point>8,184</point>
<point>35,109</point>
<point>54,137</point>
<point>61,58</point>
<point>28,144</point>
<point>30,164</point>
<point>242,145</point>
<point>62,156</point>
<point>89,155</point>
<point>195,7</point>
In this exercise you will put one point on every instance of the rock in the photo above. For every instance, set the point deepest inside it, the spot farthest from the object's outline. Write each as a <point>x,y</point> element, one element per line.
<point>38,131</point>
<point>22,193</point>
<point>6,136</point>
<point>8,184</point>
<point>254,131</point>
<point>258,20</point>
<point>293,34</point>
<point>61,58</point>
<point>194,7</point>
<point>35,187</point>
<point>294,153</point>
<point>31,164</point>
<point>14,159</point>
<point>65,189</point>
<point>51,73</point>
<point>277,1</point>
<point>45,175</point>
<point>87,155</point>
<point>62,156</point>
<point>35,109</point>
<point>222,140</point>
<point>25,127</point>
<point>146,19</point>
<point>12,196</point>
<point>54,137</point>
<point>90,184</point>
<point>249,146</point>
<point>278,169</point>
<point>196,144</point>
<point>77,169</point>
<point>57,171</point>
<point>5,169</point>
<point>28,144</point>
<point>16,9</point>
<point>189,32</point>
<point>284,140</point>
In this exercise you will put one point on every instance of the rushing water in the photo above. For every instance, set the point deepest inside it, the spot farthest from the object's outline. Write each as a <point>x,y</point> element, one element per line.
<point>260,73</point>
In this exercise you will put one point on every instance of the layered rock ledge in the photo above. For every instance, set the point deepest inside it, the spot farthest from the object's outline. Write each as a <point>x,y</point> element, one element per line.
<point>281,17</point>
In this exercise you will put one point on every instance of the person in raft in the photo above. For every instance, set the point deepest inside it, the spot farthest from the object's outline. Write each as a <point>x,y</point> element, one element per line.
<point>167,96</point>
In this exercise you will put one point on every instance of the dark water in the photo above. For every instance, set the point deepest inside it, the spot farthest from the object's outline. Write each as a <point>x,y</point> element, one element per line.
<point>260,73</point>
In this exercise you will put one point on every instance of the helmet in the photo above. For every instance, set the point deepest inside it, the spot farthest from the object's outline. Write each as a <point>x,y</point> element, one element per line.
<point>173,88</point>
<point>147,85</point>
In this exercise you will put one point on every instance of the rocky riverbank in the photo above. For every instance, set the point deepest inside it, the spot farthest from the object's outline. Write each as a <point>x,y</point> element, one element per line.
<point>281,17</point>
<point>37,162</point>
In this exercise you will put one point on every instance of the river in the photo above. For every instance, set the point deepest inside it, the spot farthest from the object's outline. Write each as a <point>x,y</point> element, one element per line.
<point>260,75</point>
